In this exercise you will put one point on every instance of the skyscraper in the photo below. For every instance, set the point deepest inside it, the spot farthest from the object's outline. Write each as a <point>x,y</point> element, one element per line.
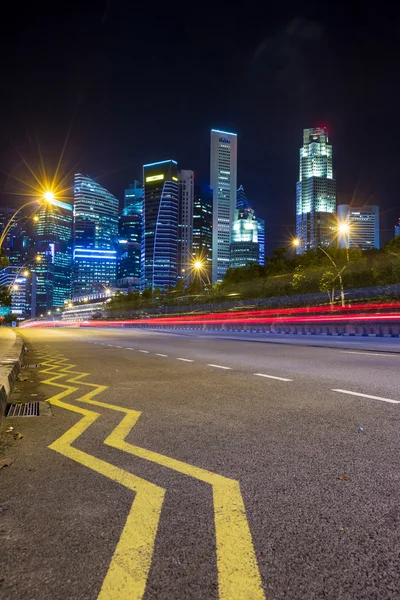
<point>363,226</point>
<point>95,236</point>
<point>130,236</point>
<point>242,204</point>
<point>52,236</point>
<point>261,241</point>
<point>244,245</point>
<point>316,191</point>
<point>397,229</point>
<point>22,286</point>
<point>202,228</point>
<point>185,224</point>
<point>223,182</point>
<point>159,257</point>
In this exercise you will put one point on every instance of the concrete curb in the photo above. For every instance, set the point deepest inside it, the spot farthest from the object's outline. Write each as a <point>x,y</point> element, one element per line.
<point>10,367</point>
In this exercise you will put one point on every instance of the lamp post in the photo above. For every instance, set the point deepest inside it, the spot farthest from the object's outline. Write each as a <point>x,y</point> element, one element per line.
<point>344,230</point>
<point>339,272</point>
<point>48,197</point>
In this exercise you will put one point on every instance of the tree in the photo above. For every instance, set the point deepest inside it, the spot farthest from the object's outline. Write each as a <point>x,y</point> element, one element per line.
<point>327,284</point>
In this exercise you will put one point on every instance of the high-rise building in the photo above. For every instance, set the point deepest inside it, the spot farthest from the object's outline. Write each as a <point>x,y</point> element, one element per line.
<point>223,182</point>
<point>362,226</point>
<point>202,228</point>
<point>397,229</point>
<point>129,240</point>
<point>316,191</point>
<point>52,237</point>
<point>159,256</point>
<point>261,241</point>
<point>242,204</point>
<point>244,245</point>
<point>22,286</point>
<point>185,224</point>
<point>95,236</point>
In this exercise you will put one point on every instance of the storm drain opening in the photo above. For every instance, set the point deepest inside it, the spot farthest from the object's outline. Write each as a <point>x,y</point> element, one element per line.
<point>31,366</point>
<point>22,409</point>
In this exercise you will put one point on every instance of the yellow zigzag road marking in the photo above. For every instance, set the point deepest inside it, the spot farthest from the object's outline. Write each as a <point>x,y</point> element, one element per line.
<point>238,574</point>
<point>129,568</point>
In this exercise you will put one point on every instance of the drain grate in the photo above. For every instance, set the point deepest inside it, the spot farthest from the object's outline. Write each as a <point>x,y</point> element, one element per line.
<point>22,409</point>
<point>31,366</point>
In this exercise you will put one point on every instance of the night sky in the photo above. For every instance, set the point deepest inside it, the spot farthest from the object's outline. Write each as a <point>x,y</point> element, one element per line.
<point>138,82</point>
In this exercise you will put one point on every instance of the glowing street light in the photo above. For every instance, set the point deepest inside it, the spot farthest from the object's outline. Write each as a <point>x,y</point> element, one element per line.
<point>343,228</point>
<point>296,242</point>
<point>198,265</point>
<point>49,196</point>
<point>15,287</point>
<point>49,312</point>
<point>36,218</point>
<point>25,273</point>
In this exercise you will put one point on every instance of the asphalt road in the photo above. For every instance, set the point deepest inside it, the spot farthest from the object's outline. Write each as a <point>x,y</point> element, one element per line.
<point>318,469</point>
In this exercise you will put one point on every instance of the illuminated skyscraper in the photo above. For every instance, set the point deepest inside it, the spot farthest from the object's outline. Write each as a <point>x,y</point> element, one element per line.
<point>129,239</point>
<point>52,237</point>
<point>185,224</point>
<point>363,226</point>
<point>223,182</point>
<point>397,229</point>
<point>202,228</point>
<point>243,206</point>
<point>159,257</point>
<point>244,245</point>
<point>316,191</point>
<point>261,241</point>
<point>95,236</point>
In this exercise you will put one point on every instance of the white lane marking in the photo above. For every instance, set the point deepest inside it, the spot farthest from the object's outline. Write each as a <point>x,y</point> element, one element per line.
<point>144,351</point>
<point>185,359</point>
<point>129,348</point>
<point>219,367</point>
<point>157,354</point>
<point>367,353</point>
<point>111,345</point>
<point>272,377</point>
<point>118,346</point>
<point>367,396</point>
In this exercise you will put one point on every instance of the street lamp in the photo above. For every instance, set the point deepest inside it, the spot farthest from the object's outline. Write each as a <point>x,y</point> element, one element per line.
<point>296,242</point>
<point>339,272</point>
<point>344,230</point>
<point>47,197</point>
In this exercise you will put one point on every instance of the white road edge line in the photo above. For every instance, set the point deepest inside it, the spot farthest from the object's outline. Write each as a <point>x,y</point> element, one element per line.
<point>367,396</point>
<point>130,348</point>
<point>219,366</point>
<point>158,354</point>
<point>185,359</point>
<point>118,346</point>
<point>272,377</point>
<point>144,351</point>
<point>366,353</point>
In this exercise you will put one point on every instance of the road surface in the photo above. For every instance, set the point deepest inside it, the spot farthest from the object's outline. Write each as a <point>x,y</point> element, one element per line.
<point>142,501</point>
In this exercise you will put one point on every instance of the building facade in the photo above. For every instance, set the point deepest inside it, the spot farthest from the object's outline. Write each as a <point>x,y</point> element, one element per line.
<point>22,285</point>
<point>244,245</point>
<point>223,182</point>
<point>95,236</point>
<point>51,255</point>
<point>202,228</point>
<point>316,191</point>
<point>363,226</point>
<point>130,237</point>
<point>261,241</point>
<point>185,224</point>
<point>397,229</point>
<point>159,249</point>
<point>242,204</point>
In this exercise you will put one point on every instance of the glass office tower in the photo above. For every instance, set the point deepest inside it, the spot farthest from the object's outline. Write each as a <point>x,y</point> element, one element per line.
<point>95,236</point>
<point>202,227</point>
<point>316,191</point>
<point>129,239</point>
<point>223,182</point>
<point>363,226</point>
<point>52,255</point>
<point>159,256</point>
